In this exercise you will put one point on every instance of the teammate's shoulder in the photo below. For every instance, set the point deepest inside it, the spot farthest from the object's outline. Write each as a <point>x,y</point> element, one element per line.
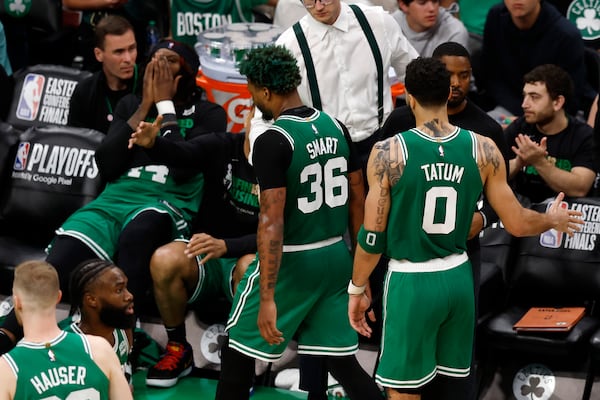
<point>8,381</point>
<point>385,144</point>
<point>486,145</point>
<point>95,340</point>
<point>481,138</point>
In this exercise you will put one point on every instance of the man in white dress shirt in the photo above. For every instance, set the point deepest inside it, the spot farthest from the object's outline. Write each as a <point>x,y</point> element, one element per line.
<point>288,12</point>
<point>345,68</point>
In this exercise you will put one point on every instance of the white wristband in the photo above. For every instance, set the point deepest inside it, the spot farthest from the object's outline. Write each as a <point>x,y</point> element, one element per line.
<point>484,219</point>
<point>165,107</point>
<point>356,290</point>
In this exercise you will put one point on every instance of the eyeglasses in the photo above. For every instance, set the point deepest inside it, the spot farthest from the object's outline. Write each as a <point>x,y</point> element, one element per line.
<point>308,4</point>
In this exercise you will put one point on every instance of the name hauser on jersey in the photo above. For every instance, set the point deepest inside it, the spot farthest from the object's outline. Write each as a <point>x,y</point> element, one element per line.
<point>65,375</point>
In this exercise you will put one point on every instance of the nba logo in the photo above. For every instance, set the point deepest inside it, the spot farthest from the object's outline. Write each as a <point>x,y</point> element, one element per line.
<point>21,158</point>
<point>31,95</point>
<point>552,238</point>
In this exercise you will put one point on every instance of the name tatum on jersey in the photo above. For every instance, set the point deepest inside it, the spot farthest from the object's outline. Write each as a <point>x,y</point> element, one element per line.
<point>71,375</point>
<point>443,171</point>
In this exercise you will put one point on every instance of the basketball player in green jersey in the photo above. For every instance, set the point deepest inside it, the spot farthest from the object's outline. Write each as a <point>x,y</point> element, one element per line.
<point>49,363</point>
<point>423,186</point>
<point>102,306</point>
<point>310,186</point>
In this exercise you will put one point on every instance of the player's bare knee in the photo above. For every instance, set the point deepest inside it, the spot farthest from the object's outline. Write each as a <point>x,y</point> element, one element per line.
<point>168,262</point>
<point>241,266</point>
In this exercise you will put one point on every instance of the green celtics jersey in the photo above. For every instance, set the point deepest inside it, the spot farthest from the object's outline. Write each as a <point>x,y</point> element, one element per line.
<point>432,204</point>
<point>62,369</point>
<point>121,345</point>
<point>316,207</point>
<point>155,183</point>
<point>191,17</point>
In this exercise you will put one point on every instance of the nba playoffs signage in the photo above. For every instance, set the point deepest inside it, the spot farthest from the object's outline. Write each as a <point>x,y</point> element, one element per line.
<point>45,101</point>
<point>586,239</point>
<point>42,95</point>
<point>53,173</point>
<point>53,164</point>
<point>585,14</point>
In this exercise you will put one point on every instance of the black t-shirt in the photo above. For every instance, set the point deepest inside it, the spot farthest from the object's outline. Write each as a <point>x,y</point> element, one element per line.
<point>229,208</point>
<point>195,118</point>
<point>571,148</point>
<point>92,104</point>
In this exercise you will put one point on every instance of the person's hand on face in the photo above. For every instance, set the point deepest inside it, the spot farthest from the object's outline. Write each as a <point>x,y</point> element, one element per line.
<point>165,83</point>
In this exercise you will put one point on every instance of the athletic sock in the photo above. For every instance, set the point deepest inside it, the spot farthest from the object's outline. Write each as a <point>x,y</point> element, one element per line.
<point>237,371</point>
<point>353,378</point>
<point>177,333</point>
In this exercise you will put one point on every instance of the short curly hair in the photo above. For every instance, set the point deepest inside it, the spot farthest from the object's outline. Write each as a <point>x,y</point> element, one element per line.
<point>428,81</point>
<point>273,67</point>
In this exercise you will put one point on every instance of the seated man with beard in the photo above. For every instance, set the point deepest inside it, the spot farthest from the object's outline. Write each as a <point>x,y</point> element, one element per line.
<point>102,306</point>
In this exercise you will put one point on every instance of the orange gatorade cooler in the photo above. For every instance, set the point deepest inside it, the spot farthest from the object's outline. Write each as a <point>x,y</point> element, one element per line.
<point>220,50</point>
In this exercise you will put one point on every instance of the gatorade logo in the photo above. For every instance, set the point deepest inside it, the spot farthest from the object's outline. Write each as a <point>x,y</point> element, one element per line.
<point>17,8</point>
<point>55,160</point>
<point>585,14</point>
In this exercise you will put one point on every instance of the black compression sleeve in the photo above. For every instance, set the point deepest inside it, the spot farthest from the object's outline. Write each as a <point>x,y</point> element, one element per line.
<point>271,158</point>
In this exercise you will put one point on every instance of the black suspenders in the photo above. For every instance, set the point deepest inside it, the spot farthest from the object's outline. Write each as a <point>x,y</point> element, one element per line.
<point>310,67</point>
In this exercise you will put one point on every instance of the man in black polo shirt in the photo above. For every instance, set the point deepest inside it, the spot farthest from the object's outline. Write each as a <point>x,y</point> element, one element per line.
<point>96,97</point>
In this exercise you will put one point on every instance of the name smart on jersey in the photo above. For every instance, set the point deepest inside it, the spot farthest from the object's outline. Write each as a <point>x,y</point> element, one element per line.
<point>192,23</point>
<point>320,146</point>
<point>52,164</point>
<point>585,239</point>
<point>71,375</point>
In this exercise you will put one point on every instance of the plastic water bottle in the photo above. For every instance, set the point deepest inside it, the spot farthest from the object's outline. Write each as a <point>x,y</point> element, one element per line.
<point>152,35</point>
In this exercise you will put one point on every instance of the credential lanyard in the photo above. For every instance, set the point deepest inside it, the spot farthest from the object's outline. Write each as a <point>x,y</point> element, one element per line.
<point>310,67</point>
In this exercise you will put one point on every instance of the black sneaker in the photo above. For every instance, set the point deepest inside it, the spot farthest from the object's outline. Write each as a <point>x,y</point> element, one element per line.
<point>175,363</point>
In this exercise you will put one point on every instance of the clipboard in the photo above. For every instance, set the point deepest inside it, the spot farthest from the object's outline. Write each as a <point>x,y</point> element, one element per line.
<point>548,319</point>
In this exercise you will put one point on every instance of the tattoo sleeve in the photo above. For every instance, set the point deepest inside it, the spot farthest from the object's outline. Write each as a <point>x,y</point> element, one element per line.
<point>388,161</point>
<point>270,238</point>
<point>488,155</point>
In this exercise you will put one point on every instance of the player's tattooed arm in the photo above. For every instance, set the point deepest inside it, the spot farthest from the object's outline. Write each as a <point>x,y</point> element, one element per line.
<point>270,238</point>
<point>388,162</point>
<point>489,155</point>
